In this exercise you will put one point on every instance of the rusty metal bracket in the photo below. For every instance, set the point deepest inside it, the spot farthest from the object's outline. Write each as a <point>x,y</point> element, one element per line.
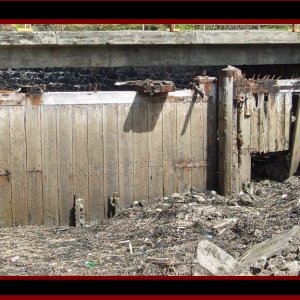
<point>4,172</point>
<point>264,85</point>
<point>197,88</point>
<point>202,84</point>
<point>31,90</point>
<point>149,87</point>
<point>4,175</point>
<point>188,164</point>
<point>240,98</point>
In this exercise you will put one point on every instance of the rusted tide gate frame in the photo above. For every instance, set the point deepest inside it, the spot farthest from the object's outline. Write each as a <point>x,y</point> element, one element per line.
<point>58,147</point>
<point>254,117</point>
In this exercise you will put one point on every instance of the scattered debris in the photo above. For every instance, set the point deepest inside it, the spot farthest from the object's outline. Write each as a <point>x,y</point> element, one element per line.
<point>166,262</point>
<point>218,226</point>
<point>90,264</point>
<point>115,204</point>
<point>245,199</point>
<point>14,259</point>
<point>129,245</point>
<point>161,237</point>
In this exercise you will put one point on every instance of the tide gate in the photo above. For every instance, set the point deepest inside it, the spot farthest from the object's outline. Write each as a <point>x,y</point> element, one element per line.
<point>58,147</point>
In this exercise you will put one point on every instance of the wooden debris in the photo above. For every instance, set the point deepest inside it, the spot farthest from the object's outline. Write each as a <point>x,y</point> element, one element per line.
<point>115,203</point>
<point>129,245</point>
<point>220,225</point>
<point>166,262</point>
<point>79,212</point>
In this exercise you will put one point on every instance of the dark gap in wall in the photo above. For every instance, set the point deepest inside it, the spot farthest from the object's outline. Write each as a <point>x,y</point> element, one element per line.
<point>275,165</point>
<point>256,100</point>
<point>86,79</point>
<point>272,165</point>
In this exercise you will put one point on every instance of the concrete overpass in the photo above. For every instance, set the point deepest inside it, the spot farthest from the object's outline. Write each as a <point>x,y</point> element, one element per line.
<point>147,48</point>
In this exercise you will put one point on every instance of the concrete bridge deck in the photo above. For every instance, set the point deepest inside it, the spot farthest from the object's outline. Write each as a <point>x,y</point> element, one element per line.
<point>147,48</point>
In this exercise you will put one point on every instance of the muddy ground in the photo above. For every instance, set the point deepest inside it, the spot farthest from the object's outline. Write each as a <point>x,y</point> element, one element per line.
<point>161,237</point>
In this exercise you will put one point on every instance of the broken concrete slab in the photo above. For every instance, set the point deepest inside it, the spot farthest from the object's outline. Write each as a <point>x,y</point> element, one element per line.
<point>269,247</point>
<point>212,260</point>
<point>293,268</point>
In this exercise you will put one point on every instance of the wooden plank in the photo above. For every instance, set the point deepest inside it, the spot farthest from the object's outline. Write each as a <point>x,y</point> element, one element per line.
<point>90,98</point>
<point>254,123</point>
<point>295,157</point>
<point>183,146</point>
<point>272,122</point>
<point>280,122</point>
<point>140,151</point>
<point>33,138</point>
<point>5,183</point>
<point>261,122</point>
<point>247,148</point>
<point>245,163</point>
<point>205,140</point>
<point>235,175</point>
<point>80,158</point>
<point>277,112</point>
<point>34,165</point>
<point>197,135</point>
<point>111,152</point>
<point>65,165</point>
<point>155,150</point>
<point>265,122</point>
<point>35,197</point>
<point>240,139</point>
<point>18,165</point>
<point>49,165</point>
<point>95,155</point>
<point>211,167</point>
<point>125,119</point>
<point>169,148</point>
<point>227,125</point>
<point>287,119</point>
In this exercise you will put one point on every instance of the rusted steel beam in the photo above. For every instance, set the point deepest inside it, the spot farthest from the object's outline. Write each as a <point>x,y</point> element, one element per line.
<point>149,87</point>
<point>244,86</point>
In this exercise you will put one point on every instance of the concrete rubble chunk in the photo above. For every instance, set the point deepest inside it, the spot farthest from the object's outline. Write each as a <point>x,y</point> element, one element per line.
<point>245,199</point>
<point>212,260</point>
<point>269,247</point>
<point>293,268</point>
<point>177,196</point>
